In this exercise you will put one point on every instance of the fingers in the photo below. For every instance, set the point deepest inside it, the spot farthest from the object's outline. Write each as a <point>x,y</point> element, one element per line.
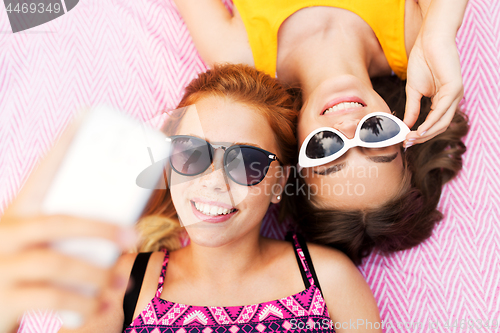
<point>416,139</point>
<point>438,119</point>
<point>412,109</point>
<point>437,115</point>
<point>444,103</point>
<point>439,127</point>
<point>33,275</point>
<point>50,297</point>
<point>440,123</point>
<point>49,266</point>
<point>16,234</point>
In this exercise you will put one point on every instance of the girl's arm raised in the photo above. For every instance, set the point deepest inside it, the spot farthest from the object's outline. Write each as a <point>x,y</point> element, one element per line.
<point>434,68</point>
<point>219,36</point>
<point>110,317</point>
<point>350,302</point>
<point>33,274</point>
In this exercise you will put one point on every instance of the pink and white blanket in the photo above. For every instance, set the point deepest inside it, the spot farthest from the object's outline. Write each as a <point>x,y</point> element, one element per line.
<point>137,56</point>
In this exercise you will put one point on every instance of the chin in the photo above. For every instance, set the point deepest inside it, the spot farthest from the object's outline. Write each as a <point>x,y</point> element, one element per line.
<point>207,241</point>
<point>207,235</point>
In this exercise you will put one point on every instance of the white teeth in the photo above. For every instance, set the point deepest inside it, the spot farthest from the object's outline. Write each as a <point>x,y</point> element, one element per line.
<point>211,210</point>
<point>343,106</point>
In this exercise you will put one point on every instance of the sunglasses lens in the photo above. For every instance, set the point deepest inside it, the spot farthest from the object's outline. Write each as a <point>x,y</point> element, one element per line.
<point>245,165</point>
<point>378,129</point>
<point>190,156</point>
<point>324,144</point>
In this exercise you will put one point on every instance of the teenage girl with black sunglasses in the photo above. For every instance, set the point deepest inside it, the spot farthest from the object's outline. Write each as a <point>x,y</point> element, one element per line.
<point>340,55</point>
<point>231,145</point>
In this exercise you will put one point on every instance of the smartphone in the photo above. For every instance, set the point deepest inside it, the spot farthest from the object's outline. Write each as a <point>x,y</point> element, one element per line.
<point>97,179</point>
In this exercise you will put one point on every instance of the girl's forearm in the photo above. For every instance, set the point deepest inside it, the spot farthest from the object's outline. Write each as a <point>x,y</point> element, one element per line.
<point>198,13</point>
<point>443,17</point>
<point>206,20</point>
<point>215,32</point>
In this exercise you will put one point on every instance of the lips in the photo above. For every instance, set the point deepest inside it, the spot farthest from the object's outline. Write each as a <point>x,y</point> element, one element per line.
<point>343,105</point>
<point>212,211</point>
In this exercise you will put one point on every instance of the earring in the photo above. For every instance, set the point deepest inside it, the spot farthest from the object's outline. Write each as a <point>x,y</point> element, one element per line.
<point>278,197</point>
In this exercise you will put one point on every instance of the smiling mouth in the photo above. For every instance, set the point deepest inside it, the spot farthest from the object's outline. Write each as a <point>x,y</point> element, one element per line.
<point>212,210</point>
<point>342,106</point>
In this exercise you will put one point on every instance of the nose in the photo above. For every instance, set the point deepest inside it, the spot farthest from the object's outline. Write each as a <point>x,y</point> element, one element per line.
<point>347,127</point>
<point>214,178</point>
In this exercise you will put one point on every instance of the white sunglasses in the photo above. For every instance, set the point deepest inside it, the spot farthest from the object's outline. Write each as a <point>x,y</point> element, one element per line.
<point>375,130</point>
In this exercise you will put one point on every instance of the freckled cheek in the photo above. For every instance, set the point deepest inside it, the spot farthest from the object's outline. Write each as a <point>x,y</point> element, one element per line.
<point>243,197</point>
<point>258,196</point>
<point>180,188</point>
<point>178,197</point>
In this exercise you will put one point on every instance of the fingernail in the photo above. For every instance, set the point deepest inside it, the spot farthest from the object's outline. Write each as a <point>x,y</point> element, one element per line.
<point>423,133</point>
<point>411,140</point>
<point>128,237</point>
<point>408,145</point>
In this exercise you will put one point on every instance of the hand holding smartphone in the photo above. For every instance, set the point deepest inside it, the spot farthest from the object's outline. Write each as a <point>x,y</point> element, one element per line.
<point>91,175</point>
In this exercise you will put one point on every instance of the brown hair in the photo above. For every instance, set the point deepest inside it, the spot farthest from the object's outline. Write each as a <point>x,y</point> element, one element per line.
<point>160,226</point>
<point>407,219</point>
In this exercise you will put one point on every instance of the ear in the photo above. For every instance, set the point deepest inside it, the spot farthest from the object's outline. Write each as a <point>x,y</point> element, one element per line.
<point>280,185</point>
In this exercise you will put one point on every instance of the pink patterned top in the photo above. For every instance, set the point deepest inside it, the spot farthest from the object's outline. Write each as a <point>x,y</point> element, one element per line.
<point>303,312</point>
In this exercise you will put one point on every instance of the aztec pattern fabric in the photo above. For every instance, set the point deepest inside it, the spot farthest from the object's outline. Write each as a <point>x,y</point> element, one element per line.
<point>137,56</point>
<point>289,314</point>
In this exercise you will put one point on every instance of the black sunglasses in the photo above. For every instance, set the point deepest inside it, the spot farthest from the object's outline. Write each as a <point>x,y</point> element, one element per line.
<point>245,165</point>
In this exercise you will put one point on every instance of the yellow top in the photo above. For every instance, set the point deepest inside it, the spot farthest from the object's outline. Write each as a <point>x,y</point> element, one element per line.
<point>263,18</point>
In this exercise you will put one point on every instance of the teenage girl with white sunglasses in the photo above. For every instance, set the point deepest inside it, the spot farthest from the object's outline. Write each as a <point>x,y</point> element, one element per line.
<point>340,55</point>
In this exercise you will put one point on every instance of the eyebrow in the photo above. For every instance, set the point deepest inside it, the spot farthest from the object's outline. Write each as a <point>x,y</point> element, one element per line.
<point>332,169</point>
<point>247,144</point>
<point>340,166</point>
<point>383,159</point>
<point>230,143</point>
